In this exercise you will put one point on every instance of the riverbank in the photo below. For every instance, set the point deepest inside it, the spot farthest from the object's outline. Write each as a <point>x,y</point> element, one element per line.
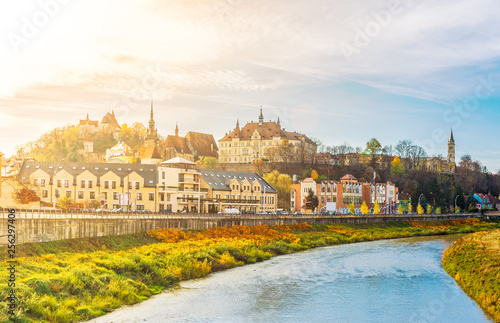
<point>474,262</point>
<point>61,285</point>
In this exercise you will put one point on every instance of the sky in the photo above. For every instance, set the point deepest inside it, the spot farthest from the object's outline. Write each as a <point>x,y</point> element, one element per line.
<point>336,70</point>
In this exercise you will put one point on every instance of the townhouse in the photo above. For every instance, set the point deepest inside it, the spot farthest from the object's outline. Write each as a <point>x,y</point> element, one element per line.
<point>131,186</point>
<point>336,196</point>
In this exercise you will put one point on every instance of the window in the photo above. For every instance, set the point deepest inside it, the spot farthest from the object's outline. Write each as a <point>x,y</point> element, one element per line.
<point>59,183</point>
<point>115,195</point>
<point>68,193</point>
<point>92,195</point>
<point>168,197</point>
<point>45,193</point>
<point>90,184</point>
<point>80,195</point>
<point>106,184</point>
<point>83,184</point>
<point>162,175</point>
<point>105,195</point>
<point>136,185</point>
<point>151,196</point>
<point>66,183</point>
<point>140,206</point>
<point>114,185</point>
<point>139,196</point>
<point>42,182</point>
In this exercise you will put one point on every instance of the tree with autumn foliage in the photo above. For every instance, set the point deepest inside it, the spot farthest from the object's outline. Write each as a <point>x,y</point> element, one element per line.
<point>376,208</point>
<point>283,184</point>
<point>420,209</point>
<point>66,202</point>
<point>25,196</point>
<point>351,208</point>
<point>364,208</point>
<point>259,164</point>
<point>314,175</point>
<point>397,168</point>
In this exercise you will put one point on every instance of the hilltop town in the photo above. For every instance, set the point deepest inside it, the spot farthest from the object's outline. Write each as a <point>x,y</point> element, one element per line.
<point>258,167</point>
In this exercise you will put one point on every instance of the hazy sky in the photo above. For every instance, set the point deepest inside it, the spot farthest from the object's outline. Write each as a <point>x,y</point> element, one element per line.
<point>341,70</point>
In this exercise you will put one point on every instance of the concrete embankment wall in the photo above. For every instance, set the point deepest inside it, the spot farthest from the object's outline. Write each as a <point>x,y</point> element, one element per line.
<point>47,227</point>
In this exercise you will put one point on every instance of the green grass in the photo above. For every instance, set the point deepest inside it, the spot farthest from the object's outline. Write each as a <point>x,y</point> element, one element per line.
<point>112,243</point>
<point>474,262</point>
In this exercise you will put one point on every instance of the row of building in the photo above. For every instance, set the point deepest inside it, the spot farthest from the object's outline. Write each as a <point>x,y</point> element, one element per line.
<point>268,141</point>
<point>175,185</point>
<point>256,140</point>
<point>336,196</point>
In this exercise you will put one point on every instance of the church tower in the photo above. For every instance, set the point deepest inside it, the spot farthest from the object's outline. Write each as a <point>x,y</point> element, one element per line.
<point>152,136</point>
<point>149,152</point>
<point>451,148</point>
<point>261,117</point>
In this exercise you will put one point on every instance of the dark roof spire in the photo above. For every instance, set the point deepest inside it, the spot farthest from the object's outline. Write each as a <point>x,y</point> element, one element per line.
<point>261,117</point>
<point>451,136</point>
<point>237,123</point>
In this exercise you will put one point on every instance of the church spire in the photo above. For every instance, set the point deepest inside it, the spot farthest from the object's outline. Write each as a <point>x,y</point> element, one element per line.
<point>176,130</point>
<point>237,123</point>
<point>451,136</point>
<point>279,121</point>
<point>261,117</point>
<point>151,120</point>
<point>151,129</point>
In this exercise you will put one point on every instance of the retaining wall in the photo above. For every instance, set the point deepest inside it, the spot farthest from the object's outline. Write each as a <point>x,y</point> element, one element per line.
<point>48,227</point>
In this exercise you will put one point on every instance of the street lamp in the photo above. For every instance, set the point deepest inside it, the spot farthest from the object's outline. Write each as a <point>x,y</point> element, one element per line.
<point>456,197</point>
<point>374,193</point>
<point>52,191</point>
<point>419,198</point>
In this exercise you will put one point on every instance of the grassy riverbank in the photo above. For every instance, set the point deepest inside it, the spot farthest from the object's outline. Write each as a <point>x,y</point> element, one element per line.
<point>474,262</point>
<point>55,283</point>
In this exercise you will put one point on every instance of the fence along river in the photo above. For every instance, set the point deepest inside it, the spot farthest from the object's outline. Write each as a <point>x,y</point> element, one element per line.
<point>34,226</point>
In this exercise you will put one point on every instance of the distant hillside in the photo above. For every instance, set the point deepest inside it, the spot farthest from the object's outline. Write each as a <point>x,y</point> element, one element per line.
<point>67,142</point>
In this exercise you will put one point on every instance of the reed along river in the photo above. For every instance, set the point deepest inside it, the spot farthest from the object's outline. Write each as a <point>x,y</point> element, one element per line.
<point>381,281</point>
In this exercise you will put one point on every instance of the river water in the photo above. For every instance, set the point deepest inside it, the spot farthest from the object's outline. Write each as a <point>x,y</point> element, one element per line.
<point>382,281</point>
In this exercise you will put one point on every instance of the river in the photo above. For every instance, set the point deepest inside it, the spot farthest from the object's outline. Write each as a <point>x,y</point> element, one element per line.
<point>382,281</point>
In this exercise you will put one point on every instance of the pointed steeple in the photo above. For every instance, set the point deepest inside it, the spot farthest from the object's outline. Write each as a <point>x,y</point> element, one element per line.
<point>88,116</point>
<point>451,136</point>
<point>151,120</point>
<point>261,117</point>
<point>279,122</point>
<point>151,129</point>
<point>176,130</point>
<point>237,123</point>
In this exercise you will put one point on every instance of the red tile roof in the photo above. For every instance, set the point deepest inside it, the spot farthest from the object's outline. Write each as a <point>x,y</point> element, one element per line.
<point>348,177</point>
<point>203,144</point>
<point>267,130</point>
